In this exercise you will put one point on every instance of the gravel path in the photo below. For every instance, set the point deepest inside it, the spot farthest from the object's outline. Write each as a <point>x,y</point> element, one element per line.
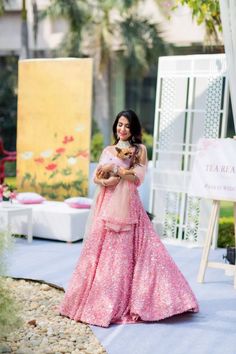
<point>43,330</point>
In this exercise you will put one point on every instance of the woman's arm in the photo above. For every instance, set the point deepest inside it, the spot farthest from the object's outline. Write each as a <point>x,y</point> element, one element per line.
<point>128,177</point>
<point>112,181</point>
<point>108,167</point>
<point>99,171</point>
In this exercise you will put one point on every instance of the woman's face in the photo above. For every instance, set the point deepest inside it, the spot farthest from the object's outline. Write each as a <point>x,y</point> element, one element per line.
<point>123,129</point>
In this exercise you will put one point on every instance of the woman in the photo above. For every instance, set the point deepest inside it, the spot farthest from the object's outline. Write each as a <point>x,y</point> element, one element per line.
<point>124,274</point>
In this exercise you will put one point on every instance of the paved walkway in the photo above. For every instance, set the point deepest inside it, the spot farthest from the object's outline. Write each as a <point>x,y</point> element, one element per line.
<point>212,330</point>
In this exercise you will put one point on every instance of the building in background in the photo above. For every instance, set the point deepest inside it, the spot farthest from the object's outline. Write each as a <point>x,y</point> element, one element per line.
<point>180,34</point>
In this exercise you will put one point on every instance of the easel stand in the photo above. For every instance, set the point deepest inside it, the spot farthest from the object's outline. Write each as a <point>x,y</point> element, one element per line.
<point>205,253</point>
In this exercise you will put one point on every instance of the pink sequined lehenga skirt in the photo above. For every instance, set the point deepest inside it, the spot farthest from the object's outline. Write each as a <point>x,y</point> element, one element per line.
<point>126,276</point>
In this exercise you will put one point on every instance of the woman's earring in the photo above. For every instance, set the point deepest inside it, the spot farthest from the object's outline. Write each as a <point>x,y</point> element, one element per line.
<point>133,139</point>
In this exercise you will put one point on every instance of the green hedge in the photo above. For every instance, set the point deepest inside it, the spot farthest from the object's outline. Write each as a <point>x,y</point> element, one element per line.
<point>226,232</point>
<point>148,142</point>
<point>97,144</point>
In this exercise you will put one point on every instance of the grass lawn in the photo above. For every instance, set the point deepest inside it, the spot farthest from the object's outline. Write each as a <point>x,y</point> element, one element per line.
<point>226,209</point>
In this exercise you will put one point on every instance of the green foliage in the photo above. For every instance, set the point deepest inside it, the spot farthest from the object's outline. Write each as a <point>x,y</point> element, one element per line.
<point>96,146</point>
<point>141,43</point>
<point>11,181</point>
<point>95,128</point>
<point>93,27</point>
<point>148,142</point>
<point>8,101</point>
<point>77,14</point>
<point>2,6</point>
<point>205,12</point>
<point>10,169</point>
<point>9,319</point>
<point>226,209</point>
<point>5,244</point>
<point>226,232</point>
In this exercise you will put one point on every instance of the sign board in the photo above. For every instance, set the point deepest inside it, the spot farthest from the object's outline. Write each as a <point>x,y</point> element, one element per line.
<point>214,170</point>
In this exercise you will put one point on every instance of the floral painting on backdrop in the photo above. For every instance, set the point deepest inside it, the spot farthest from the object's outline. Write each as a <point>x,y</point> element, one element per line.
<point>53,132</point>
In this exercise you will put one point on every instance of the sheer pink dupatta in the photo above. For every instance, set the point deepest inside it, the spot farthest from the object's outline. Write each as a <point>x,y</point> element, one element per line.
<point>118,214</point>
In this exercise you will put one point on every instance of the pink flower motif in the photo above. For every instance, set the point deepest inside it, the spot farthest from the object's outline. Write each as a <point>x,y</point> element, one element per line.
<point>13,195</point>
<point>83,153</point>
<point>51,167</point>
<point>60,150</point>
<point>39,160</point>
<point>68,139</point>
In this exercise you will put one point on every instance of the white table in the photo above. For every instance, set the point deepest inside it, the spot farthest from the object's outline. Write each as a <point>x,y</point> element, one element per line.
<point>13,211</point>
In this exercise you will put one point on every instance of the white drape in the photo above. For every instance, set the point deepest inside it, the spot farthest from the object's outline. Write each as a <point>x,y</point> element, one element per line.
<point>228,17</point>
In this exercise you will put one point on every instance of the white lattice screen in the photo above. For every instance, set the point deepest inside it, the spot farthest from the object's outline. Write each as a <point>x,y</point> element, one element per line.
<point>191,103</point>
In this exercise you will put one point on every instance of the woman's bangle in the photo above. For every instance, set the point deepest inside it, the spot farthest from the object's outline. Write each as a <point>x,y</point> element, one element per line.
<point>115,169</point>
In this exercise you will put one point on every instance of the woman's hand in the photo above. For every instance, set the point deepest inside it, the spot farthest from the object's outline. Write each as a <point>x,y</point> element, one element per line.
<point>121,172</point>
<point>128,175</point>
<point>111,181</point>
<point>103,171</point>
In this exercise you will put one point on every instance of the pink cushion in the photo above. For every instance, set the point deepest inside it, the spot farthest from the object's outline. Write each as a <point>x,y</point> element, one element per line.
<point>29,198</point>
<point>79,202</point>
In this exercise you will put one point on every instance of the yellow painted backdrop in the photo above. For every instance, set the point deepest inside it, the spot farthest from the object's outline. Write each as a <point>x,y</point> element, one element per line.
<point>53,129</point>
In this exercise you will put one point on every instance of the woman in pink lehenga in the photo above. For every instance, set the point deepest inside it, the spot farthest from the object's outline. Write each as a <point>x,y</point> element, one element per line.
<point>124,274</point>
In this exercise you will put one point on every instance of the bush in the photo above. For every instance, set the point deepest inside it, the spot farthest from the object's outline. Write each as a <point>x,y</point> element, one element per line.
<point>148,142</point>
<point>96,146</point>
<point>9,319</point>
<point>10,169</point>
<point>8,100</point>
<point>226,232</point>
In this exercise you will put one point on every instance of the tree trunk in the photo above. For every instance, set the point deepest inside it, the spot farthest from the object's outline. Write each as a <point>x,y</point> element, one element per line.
<point>117,87</point>
<point>102,101</point>
<point>24,52</point>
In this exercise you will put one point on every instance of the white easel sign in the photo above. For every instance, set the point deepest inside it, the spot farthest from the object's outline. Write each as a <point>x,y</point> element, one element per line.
<point>214,170</point>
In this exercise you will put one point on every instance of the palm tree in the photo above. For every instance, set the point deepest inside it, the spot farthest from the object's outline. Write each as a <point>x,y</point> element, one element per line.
<point>2,8</point>
<point>76,13</point>
<point>110,32</point>
<point>24,52</point>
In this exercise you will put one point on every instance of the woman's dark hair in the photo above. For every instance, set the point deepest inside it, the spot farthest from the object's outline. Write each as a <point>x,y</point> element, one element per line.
<point>135,126</point>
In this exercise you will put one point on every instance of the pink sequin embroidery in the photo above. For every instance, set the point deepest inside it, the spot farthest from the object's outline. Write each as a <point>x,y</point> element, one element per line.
<point>126,276</point>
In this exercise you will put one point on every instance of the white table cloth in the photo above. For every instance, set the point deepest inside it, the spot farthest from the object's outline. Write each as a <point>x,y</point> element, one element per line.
<point>54,220</point>
<point>10,214</point>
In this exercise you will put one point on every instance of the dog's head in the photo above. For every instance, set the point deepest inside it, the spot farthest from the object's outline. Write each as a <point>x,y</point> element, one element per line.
<point>124,154</point>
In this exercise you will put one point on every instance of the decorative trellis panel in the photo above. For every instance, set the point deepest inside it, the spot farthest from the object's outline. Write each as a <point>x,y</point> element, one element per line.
<point>191,103</point>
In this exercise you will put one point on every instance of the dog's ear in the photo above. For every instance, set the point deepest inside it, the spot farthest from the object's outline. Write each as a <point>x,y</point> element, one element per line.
<point>118,149</point>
